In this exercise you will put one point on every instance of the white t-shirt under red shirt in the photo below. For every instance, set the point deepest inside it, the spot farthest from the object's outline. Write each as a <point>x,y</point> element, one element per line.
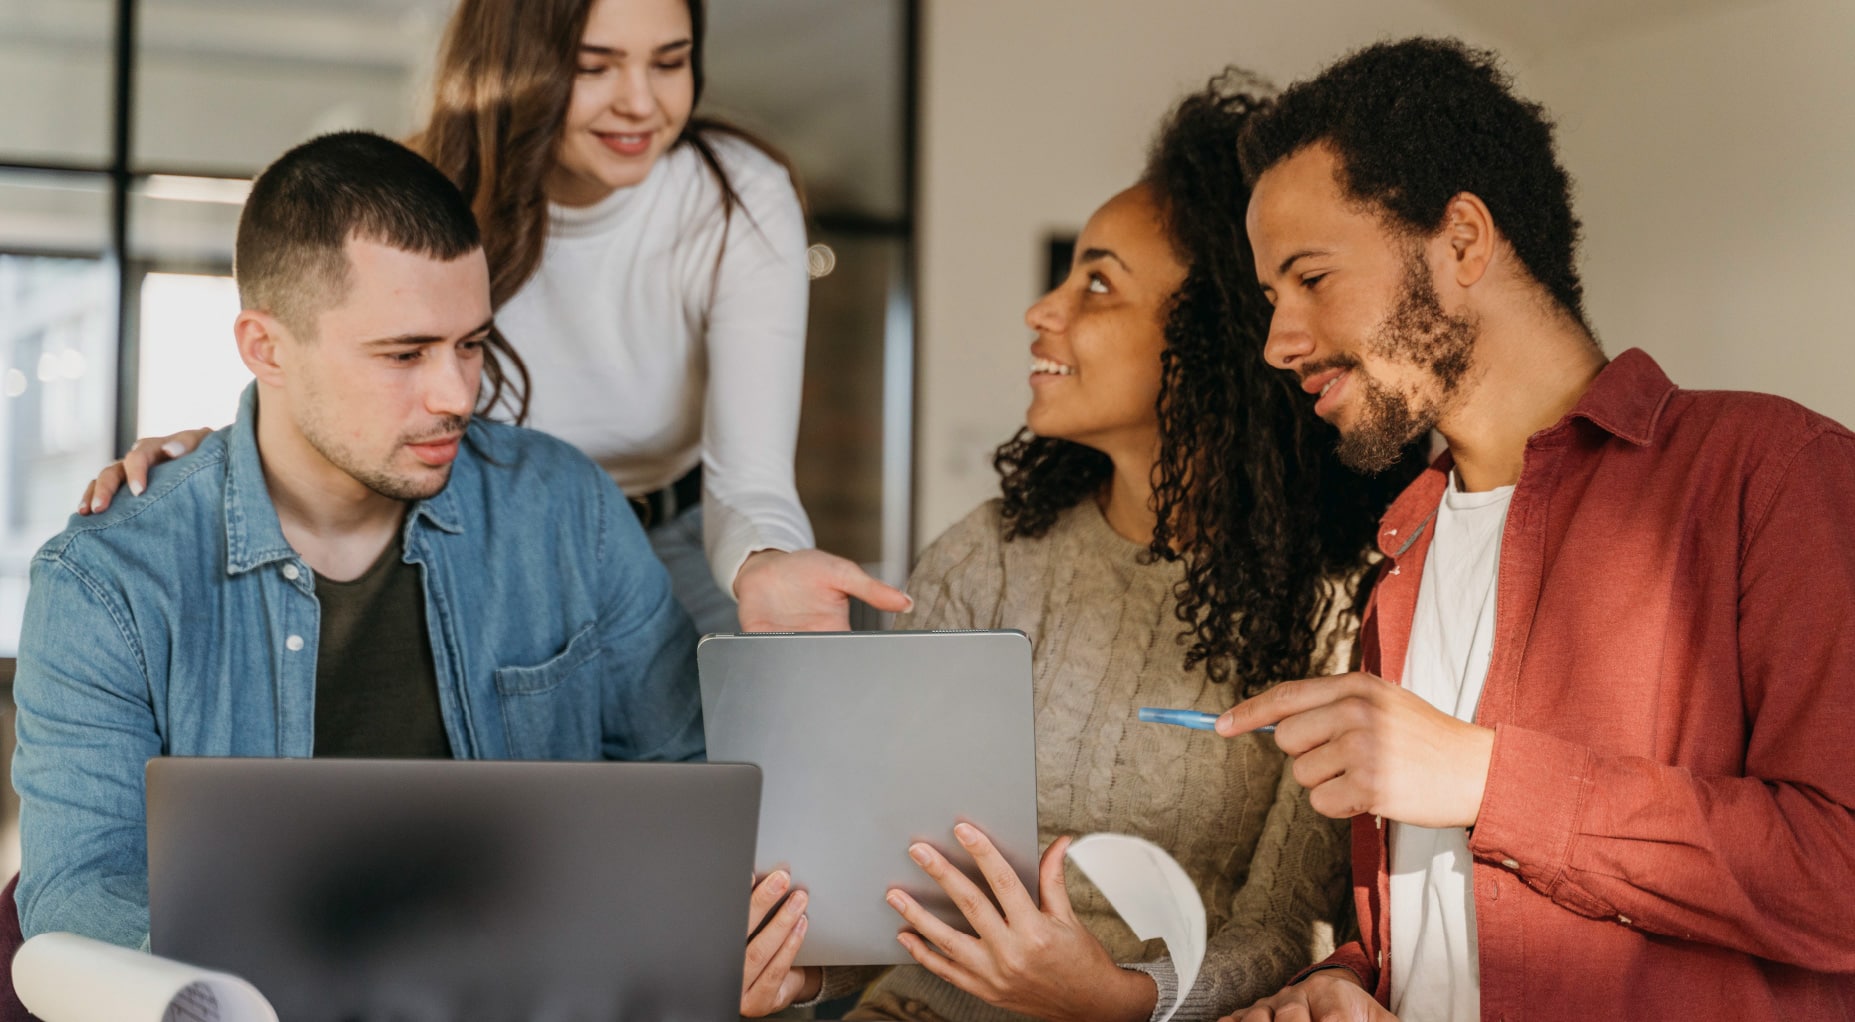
<point>1435,965</point>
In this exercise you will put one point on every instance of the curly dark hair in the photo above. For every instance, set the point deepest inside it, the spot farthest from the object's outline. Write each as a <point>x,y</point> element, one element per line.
<point>1416,122</point>
<point>1247,488</point>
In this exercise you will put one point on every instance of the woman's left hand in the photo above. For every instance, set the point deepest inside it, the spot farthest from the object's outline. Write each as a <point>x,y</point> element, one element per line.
<point>769,983</point>
<point>1033,961</point>
<point>807,591</point>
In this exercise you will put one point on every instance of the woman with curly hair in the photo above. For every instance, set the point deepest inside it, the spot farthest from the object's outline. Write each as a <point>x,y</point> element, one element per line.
<point>1174,531</point>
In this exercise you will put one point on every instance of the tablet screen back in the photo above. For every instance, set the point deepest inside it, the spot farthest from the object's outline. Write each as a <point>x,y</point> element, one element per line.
<point>868,742</point>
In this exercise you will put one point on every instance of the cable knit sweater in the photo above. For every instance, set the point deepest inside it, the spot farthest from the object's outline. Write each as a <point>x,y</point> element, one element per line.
<point>1105,641</point>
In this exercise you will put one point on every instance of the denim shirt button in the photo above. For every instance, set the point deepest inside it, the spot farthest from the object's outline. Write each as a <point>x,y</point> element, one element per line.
<point>294,643</point>
<point>291,572</point>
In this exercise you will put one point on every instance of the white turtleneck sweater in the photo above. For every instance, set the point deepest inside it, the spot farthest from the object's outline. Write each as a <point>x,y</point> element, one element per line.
<point>658,335</point>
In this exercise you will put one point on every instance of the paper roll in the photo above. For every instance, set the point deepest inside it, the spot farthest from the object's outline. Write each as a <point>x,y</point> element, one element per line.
<point>1152,894</point>
<point>62,977</point>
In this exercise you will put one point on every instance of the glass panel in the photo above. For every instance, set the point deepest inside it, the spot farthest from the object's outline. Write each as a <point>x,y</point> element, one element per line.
<point>823,80</point>
<point>57,366</point>
<point>190,372</point>
<point>54,214</point>
<point>228,85</point>
<point>187,220</point>
<point>56,70</point>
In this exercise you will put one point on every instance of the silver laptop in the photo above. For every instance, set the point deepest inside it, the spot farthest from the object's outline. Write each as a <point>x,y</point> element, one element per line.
<point>417,889</point>
<point>870,741</point>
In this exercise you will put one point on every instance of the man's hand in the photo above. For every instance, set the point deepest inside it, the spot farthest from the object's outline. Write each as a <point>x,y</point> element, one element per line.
<point>770,983</point>
<point>1035,962</point>
<point>1330,995</point>
<point>133,468</point>
<point>1363,746</point>
<point>807,591</point>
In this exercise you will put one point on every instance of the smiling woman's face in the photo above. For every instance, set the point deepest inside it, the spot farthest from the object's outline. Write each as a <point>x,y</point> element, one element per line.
<point>1095,371</point>
<point>633,92</point>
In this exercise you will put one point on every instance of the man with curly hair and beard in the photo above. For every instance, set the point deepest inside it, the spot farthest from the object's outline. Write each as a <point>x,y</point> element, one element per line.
<point>1610,776</point>
<point>1152,540</point>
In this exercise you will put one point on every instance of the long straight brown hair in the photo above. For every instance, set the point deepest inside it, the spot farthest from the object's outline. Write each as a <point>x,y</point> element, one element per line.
<point>505,77</point>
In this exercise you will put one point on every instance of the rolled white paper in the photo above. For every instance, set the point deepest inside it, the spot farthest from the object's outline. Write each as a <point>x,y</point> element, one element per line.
<point>62,977</point>
<point>1152,894</point>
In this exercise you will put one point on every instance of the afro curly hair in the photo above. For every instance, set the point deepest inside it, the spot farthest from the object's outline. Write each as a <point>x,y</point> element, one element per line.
<point>1413,123</point>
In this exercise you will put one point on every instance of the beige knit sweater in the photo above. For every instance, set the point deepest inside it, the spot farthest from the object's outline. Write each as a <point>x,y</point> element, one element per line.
<point>1272,872</point>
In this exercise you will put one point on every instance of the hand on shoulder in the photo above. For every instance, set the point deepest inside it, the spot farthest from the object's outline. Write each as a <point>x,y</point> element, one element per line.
<point>133,467</point>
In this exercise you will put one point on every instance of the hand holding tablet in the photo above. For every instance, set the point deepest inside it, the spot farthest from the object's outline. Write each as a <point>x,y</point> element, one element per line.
<point>872,743</point>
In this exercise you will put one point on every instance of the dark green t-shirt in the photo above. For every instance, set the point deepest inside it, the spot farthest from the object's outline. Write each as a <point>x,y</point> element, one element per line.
<point>376,685</point>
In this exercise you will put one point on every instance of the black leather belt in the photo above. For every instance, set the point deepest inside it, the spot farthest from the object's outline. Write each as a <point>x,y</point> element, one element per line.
<point>659,506</point>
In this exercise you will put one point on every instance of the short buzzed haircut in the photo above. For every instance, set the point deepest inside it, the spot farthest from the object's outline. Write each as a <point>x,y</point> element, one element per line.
<point>290,260</point>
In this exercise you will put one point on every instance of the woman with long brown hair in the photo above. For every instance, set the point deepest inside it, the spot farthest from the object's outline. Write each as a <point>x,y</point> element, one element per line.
<point>648,265</point>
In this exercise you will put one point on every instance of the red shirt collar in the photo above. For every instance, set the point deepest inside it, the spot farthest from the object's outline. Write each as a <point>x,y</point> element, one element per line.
<point>1625,400</point>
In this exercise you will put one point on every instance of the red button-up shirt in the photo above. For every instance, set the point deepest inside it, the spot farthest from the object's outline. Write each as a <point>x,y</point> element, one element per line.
<point>1667,830</point>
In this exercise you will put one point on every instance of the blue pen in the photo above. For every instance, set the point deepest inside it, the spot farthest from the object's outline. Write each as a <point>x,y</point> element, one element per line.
<point>1188,718</point>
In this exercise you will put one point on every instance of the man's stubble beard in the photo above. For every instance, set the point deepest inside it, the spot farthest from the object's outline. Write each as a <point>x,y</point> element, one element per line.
<point>379,478</point>
<point>1417,332</point>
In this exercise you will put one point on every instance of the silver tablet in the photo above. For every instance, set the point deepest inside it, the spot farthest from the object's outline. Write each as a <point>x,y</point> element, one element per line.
<point>868,742</point>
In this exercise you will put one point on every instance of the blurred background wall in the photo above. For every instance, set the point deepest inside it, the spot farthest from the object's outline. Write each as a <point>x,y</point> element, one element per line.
<point>1714,151</point>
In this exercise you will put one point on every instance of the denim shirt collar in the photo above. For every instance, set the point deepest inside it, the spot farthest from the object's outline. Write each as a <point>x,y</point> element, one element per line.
<point>253,535</point>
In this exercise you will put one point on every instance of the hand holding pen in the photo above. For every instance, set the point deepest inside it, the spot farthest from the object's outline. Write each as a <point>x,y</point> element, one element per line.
<point>1361,745</point>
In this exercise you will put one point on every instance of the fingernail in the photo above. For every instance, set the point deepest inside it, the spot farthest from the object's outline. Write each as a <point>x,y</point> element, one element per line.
<point>966,833</point>
<point>96,505</point>
<point>779,880</point>
<point>911,603</point>
<point>920,853</point>
<point>135,487</point>
<point>895,901</point>
<point>795,904</point>
<point>804,921</point>
<point>173,449</point>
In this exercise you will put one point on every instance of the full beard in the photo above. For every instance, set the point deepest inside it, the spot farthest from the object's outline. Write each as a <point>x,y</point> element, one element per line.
<point>1417,332</point>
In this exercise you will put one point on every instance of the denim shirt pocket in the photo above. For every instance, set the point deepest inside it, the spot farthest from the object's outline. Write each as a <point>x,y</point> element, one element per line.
<point>552,710</point>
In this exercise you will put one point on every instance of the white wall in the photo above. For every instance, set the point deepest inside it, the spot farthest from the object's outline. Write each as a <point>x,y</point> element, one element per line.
<point>1715,164</point>
<point>1032,115</point>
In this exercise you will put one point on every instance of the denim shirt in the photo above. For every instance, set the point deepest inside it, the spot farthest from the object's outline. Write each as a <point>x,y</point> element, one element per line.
<point>182,623</point>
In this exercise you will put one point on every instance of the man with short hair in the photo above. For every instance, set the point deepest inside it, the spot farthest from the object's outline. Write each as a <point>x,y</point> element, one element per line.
<point>358,566</point>
<point>1611,777</point>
